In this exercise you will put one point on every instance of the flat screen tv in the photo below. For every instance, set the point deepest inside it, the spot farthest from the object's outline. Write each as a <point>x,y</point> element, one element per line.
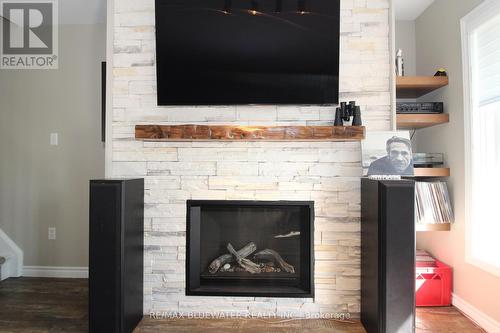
<point>221,52</point>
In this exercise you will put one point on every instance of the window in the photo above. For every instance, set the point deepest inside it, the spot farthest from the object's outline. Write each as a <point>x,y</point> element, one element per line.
<point>481,60</point>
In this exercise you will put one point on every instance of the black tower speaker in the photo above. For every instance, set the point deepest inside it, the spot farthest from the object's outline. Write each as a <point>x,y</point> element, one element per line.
<point>116,255</point>
<point>388,256</point>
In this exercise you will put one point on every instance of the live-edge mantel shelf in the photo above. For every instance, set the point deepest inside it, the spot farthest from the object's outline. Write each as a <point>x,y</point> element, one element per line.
<point>248,133</point>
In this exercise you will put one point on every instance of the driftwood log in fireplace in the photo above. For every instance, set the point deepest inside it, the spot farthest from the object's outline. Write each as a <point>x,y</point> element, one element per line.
<point>264,261</point>
<point>227,258</point>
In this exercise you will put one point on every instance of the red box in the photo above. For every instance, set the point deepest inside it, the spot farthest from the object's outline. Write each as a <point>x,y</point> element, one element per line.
<point>433,285</point>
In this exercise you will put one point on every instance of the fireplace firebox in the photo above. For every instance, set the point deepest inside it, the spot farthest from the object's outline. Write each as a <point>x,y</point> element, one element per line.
<point>250,248</point>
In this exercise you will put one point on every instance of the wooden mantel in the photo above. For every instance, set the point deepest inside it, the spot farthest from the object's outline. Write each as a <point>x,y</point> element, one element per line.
<point>248,133</point>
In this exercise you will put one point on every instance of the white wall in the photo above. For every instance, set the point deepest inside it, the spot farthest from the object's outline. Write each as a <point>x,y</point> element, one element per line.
<point>439,45</point>
<point>325,172</point>
<point>405,40</point>
<point>43,185</point>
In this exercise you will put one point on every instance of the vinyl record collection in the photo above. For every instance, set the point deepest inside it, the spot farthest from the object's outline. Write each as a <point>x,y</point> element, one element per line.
<point>433,203</point>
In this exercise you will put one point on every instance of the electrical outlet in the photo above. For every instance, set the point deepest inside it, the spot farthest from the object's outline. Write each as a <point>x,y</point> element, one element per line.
<point>54,139</point>
<point>52,233</point>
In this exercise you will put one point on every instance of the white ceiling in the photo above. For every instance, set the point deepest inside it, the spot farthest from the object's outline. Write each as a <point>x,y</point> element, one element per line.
<point>409,10</point>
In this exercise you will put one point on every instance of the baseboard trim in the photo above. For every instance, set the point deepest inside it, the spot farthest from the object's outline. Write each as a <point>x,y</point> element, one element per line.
<point>487,323</point>
<point>56,272</point>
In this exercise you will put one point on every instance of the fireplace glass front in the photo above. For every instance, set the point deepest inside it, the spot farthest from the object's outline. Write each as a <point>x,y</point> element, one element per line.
<point>250,248</point>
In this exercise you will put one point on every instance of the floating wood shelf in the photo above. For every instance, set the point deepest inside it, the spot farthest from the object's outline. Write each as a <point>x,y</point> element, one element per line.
<point>416,121</point>
<point>248,133</point>
<point>432,172</point>
<point>417,86</point>
<point>433,227</point>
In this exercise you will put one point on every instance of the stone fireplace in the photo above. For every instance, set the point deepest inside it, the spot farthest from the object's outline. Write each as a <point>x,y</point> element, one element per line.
<point>327,173</point>
<point>250,248</point>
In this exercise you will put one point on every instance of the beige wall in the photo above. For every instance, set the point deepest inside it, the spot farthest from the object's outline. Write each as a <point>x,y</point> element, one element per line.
<point>438,43</point>
<point>43,185</point>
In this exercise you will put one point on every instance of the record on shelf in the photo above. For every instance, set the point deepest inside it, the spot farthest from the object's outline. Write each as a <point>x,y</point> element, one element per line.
<point>433,205</point>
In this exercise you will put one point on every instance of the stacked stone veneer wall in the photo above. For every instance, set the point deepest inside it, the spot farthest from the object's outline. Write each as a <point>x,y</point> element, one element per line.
<point>326,172</point>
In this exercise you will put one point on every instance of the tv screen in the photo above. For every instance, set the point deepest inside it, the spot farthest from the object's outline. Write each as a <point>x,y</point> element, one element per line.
<point>220,52</point>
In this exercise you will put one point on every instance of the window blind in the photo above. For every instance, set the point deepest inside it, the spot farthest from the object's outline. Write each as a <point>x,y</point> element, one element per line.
<point>485,142</point>
<point>487,62</point>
